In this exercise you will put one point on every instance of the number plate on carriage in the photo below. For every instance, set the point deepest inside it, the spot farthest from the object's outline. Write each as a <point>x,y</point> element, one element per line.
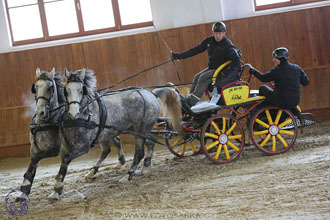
<point>236,94</point>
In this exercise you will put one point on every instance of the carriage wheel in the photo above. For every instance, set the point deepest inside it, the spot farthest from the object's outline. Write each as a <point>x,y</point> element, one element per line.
<point>183,148</point>
<point>273,130</point>
<point>222,138</point>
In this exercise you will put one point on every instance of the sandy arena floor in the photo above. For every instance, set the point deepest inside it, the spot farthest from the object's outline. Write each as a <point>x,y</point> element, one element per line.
<point>295,185</point>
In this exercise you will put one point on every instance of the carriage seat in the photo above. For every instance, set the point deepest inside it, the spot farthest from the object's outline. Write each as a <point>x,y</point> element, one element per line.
<point>231,94</point>
<point>234,93</point>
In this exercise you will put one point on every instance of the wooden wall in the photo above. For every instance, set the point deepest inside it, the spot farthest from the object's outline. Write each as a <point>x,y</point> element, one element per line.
<point>306,33</point>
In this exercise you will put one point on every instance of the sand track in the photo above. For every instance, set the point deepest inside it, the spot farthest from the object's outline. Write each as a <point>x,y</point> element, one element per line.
<point>294,185</point>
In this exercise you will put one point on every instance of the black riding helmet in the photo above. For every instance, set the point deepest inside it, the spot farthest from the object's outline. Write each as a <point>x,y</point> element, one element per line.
<point>219,27</point>
<point>281,53</point>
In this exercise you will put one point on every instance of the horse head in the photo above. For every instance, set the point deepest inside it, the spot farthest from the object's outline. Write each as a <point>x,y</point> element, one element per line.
<point>45,91</point>
<point>80,84</point>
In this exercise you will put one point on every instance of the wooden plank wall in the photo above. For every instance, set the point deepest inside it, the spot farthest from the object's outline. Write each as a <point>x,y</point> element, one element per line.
<point>306,33</point>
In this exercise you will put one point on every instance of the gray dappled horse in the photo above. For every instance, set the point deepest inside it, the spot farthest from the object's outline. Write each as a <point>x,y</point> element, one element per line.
<point>93,118</point>
<point>44,131</point>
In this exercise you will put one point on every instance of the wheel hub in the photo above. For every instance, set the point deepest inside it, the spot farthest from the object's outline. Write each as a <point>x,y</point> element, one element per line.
<point>223,139</point>
<point>273,130</point>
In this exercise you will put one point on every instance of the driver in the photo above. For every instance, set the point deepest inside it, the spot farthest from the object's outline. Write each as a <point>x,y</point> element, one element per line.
<point>287,77</point>
<point>220,49</point>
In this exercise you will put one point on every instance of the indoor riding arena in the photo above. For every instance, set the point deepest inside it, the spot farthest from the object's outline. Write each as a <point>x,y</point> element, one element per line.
<point>86,81</point>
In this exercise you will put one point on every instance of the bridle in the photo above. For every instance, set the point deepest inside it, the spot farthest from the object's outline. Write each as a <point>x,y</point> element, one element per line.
<point>34,91</point>
<point>75,78</point>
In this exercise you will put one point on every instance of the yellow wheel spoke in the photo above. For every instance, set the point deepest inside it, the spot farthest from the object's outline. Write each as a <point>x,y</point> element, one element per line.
<point>287,132</point>
<point>282,140</point>
<point>192,147</point>
<point>262,123</point>
<point>177,141</point>
<point>285,123</point>
<point>231,128</point>
<point>278,116</point>
<point>265,141</point>
<point>223,124</point>
<point>183,148</point>
<point>257,133</point>
<point>274,143</point>
<point>218,152</point>
<point>211,135</point>
<point>233,146</point>
<point>226,152</point>
<point>208,147</point>
<point>270,121</point>
<point>216,127</point>
<point>234,137</point>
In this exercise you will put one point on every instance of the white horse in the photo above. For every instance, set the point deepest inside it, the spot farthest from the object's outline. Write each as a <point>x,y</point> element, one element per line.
<point>92,119</point>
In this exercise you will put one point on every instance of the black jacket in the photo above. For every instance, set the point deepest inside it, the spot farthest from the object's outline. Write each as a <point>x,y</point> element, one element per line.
<point>287,78</point>
<point>218,52</point>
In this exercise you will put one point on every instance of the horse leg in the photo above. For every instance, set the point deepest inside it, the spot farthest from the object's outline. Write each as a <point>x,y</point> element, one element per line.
<point>121,156</point>
<point>147,160</point>
<point>150,146</point>
<point>31,171</point>
<point>105,151</point>
<point>28,179</point>
<point>59,185</point>
<point>66,159</point>
<point>138,156</point>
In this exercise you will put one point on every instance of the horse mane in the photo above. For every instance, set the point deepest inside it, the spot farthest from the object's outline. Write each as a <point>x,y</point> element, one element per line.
<point>90,81</point>
<point>58,78</point>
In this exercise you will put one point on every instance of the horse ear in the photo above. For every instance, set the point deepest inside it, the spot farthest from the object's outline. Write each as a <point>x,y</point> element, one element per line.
<point>66,73</point>
<point>82,74</point>
<point>38,73</point>
<point>52,73</point>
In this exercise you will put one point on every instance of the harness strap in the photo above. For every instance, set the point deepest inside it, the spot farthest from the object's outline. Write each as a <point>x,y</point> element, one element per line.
<point>87,123</point>
<point>34,128</point>
<point>103,117</point>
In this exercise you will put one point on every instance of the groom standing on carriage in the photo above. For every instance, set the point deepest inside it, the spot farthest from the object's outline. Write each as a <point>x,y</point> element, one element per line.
<point>220,49</point>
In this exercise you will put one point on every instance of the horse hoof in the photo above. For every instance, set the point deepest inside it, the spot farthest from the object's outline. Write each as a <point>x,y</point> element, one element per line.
<point>118,166</point>
<point>90,179</point>
<point>54,197</point>
<point>146,170</point>
<point>90,176</point>
<point>20,199</point>
<point>124,179</point>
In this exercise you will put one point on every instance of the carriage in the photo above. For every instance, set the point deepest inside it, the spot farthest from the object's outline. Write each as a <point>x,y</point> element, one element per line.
<point>234,116</point>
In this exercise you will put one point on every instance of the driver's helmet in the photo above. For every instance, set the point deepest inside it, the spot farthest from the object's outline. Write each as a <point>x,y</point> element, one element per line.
<point>281,52</point>
<point>219,27</point>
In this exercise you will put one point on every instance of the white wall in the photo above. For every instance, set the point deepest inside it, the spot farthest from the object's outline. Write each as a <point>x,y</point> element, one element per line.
<point>4,32</point>
<point>178,13</point>
<point>233,9</point>
<point>166,14</point>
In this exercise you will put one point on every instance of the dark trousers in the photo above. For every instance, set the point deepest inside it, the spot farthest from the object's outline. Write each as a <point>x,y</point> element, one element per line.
<point>268,93</point>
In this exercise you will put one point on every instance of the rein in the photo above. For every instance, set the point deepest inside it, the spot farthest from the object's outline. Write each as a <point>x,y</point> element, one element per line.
<point>136,74</point>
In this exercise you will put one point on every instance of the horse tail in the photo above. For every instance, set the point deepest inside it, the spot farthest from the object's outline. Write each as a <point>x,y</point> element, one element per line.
<point>170,106</point>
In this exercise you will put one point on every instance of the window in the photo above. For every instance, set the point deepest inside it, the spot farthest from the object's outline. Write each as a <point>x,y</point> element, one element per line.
<point>32,21</point>
<point>269,4</point>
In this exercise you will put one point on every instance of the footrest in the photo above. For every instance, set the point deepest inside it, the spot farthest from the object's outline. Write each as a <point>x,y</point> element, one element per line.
<point>308,119</point>
<point>204,106</point>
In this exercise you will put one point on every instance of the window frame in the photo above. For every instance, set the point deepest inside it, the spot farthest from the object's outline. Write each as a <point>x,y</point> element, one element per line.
<point>283,4</point>
<point>118,25</point>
